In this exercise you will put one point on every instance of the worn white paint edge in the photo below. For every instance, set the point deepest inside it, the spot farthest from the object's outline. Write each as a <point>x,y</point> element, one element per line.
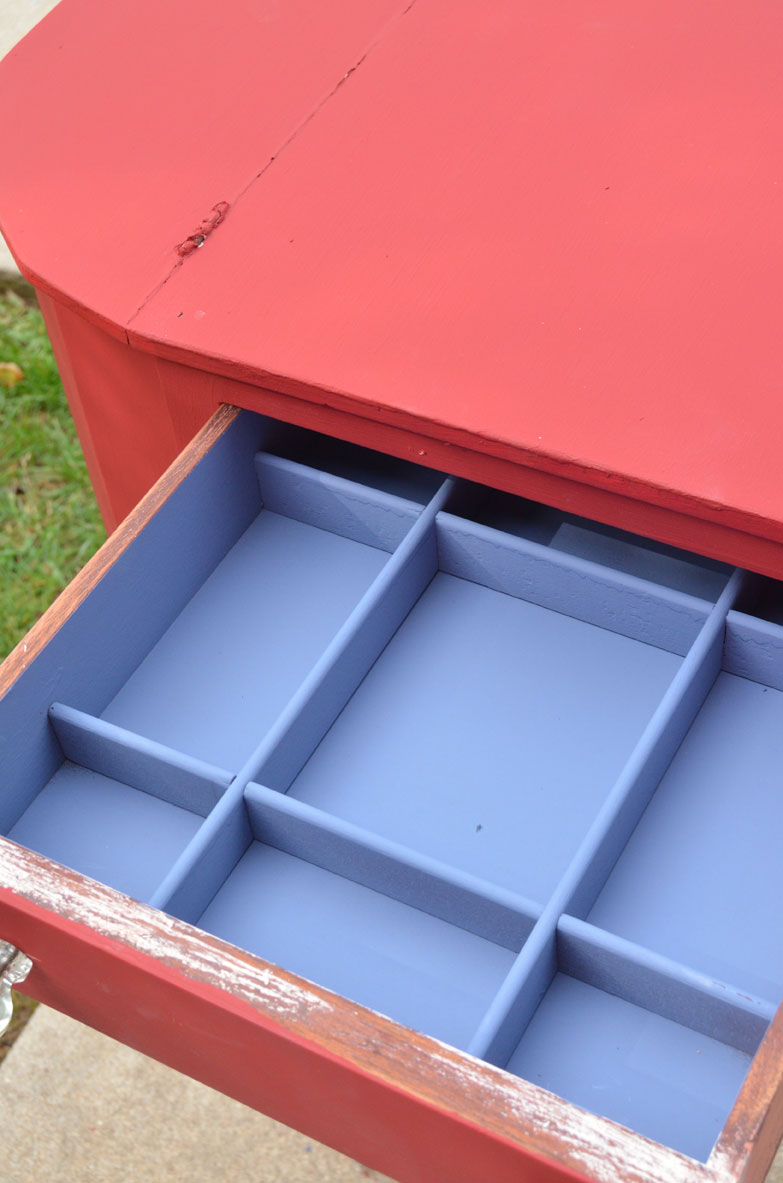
<point>589,1144</point>
<point>151,932</point>
<point>602,1148</point>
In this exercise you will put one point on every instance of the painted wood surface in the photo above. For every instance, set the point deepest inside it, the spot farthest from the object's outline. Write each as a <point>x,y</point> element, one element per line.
<point>425,1112</point>
<point>136,124</point>
<point>535,240</point>
<point>418,1109</point>
<point>421,927</point>
<point>135,411</point>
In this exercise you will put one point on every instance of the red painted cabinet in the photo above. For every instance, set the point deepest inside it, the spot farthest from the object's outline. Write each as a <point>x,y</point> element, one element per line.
<point>542,252</point>
<point>492,534</point>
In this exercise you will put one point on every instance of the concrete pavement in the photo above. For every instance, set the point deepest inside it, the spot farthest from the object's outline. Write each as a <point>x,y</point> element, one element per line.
<point>76,1107</point>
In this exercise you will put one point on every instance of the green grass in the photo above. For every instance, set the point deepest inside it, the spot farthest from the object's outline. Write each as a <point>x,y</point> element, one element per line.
<point>49,522</point>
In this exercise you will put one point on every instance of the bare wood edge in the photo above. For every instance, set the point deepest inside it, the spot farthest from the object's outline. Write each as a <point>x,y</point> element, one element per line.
<point>747,1144</point>
<point>94,570</point>
<point>501,1105</point>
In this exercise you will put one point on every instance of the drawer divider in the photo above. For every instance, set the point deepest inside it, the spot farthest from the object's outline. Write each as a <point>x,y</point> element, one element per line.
<point>754,649</point>
<point>665,987</point>
<point>334,503</point>
<point>614,600</point>
<point>313,708</point>
<point>390,868</point>
<point>515,1002</point>
<point>137,761</point>
<point>333,680</point>
<point>208,859</point>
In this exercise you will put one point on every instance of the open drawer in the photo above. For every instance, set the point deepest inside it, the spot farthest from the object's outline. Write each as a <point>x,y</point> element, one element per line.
<point>435,823</point>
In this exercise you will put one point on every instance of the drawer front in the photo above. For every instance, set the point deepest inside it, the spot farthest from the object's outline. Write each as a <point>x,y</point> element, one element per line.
<point>499,780</point>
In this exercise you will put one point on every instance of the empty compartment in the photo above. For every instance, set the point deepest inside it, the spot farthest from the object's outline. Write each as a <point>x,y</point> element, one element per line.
<point>618,1060</point>
<point>617,549</point>
<point>123,836</point>
<point>701,878</point>
<point>377,470</point>
<point>227,665</point>
<point>384,954</point>
<point>488,733</point>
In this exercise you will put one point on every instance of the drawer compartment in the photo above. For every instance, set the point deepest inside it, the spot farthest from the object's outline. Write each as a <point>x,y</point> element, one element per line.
<point>120,808</point>
<point>363,944</point>
<point>470,733</point>
<point>100,826</point>
<point>701,880</point>
<point>272,604</point>
<point>351,735</point>
<point>667,1081</point>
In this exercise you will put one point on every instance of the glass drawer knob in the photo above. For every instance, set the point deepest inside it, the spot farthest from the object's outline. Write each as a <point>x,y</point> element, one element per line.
<point>14,967</point>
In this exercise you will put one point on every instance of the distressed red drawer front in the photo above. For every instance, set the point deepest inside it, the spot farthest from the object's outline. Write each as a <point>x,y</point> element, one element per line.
<point>547,244</point>
<point>428,746</point>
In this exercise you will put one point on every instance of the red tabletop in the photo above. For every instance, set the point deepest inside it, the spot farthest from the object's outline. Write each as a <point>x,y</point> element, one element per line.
<point>550,234</point>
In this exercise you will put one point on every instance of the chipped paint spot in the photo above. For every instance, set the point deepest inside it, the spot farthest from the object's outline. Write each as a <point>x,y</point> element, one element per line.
<point>205,227</point>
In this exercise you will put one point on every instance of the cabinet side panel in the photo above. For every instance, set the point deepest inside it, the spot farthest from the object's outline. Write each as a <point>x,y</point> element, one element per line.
<point>127,426</point>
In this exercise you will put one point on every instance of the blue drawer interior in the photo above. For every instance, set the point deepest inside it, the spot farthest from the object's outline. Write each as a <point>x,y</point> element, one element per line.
<point>464,737</point>
<point>655,1076</point>
<point>78,815</point>
<point>434,976</point>
<point>201,691</point>
<point>714,901</point>
<point>503,774</point>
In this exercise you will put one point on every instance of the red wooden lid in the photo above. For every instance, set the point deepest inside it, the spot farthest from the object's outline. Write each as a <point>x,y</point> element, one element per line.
<point>548,233</point>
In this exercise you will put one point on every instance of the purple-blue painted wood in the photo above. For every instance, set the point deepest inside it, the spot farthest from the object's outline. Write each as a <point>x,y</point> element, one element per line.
<point>701,879</point>
<point>402,735</point>
<point>661,985</point>
<point>604,1054</point>
<point>236,653</point>
<point>488,733</point>
<point>105,829</point>
<point>574,586</point>
<point>352,653</point>
<point>97,649</point>
<point>474,904</point>
<point>665,566</point>
<point>318,699</point>
<point>370,516</point>
<point>514,1005</point>
<point>192,881</point>
<point>138,761</point>
<point>415,968</point>
<point>753,649</point>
